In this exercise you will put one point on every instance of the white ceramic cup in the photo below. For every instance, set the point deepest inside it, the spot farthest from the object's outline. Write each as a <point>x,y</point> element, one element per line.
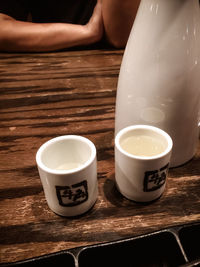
<point>142,177</point>
<point>67,167</point>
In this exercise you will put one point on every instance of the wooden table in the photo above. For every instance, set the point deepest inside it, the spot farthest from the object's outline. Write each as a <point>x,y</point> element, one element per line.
<point>73,92</point>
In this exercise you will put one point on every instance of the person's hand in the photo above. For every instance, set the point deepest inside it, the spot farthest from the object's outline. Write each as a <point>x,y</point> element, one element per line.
<point>95,25</point>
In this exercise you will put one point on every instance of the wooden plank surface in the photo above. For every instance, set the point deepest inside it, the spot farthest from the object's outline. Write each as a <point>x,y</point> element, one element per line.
<point>50,94</point>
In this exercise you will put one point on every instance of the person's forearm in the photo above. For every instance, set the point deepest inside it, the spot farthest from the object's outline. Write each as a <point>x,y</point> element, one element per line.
<point>24,36</point>
<point>118,17</point>
<point>27,36</point>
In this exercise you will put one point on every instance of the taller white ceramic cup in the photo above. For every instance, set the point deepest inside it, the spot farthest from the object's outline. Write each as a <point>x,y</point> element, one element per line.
<point>141,178</point>
<point>68,171</point>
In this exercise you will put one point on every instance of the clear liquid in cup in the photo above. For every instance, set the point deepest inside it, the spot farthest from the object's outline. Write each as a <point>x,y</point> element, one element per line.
<point>143,145</point>
<point>68,166</point>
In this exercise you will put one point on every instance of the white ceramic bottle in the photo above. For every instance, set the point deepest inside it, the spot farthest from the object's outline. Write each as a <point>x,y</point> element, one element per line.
<point>159,80</point>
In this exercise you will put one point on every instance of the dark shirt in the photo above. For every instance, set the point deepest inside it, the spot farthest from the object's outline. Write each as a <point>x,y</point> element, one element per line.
<point>44,11</point>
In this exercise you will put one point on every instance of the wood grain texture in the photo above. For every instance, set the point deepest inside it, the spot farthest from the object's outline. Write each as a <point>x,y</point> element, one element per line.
<point>50,94</point>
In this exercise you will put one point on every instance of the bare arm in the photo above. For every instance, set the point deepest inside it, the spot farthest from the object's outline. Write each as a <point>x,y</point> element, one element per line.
<point>27,36</point>
<point>118,17</point>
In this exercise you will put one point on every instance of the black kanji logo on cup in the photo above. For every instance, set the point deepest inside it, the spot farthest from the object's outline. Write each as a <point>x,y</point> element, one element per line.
<point>73,195</point>
<point>153,180</point>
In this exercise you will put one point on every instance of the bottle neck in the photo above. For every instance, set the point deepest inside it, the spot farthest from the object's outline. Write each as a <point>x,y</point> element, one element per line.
<point>164,14</point>
<point>168,8</point>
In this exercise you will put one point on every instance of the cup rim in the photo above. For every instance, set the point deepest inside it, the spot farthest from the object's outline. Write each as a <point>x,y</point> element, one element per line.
<point>149,127</point>
<point>65,137</point>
